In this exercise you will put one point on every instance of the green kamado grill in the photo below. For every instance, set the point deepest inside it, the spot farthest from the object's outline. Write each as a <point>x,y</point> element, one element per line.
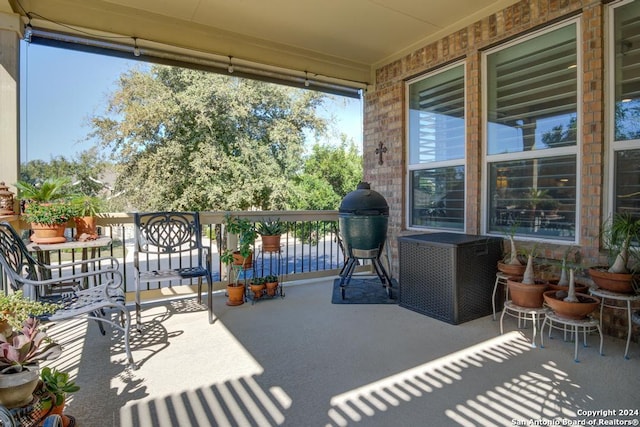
<point>363,218</point>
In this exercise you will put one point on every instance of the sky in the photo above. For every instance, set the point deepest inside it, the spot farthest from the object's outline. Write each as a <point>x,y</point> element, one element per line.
<point>61,89</point>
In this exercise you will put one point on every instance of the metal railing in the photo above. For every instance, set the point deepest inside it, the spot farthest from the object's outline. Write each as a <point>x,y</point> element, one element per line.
<point>310,248</point>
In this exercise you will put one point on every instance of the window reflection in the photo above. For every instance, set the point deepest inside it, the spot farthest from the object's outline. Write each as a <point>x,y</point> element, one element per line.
<point>537,197</point>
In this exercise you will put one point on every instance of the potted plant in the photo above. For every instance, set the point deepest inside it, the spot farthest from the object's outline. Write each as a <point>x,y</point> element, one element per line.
<point>270,232</point>
<point>570,304</point>
<point>87,208</point>
<point>240,257</point>
<point>49,190</point>
<point>47,208</point>
<point>526,291</point>
<point>15,309</point>
<point>257,286</point>
<point>620,275</point>
<point>59,385</point>
<point>566,266</point>
<point>511,264</point>
<point>247,235</point>
<point>271,282</point>
<point>20,355</point>
<point>48,221</point>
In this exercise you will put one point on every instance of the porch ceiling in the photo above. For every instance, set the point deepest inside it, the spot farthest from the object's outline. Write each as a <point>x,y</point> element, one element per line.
<point>344,39</point>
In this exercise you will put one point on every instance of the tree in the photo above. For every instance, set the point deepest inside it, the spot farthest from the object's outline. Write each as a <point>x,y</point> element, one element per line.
<point>340,167</point>
<point>186,139</point>
<point>86,170</point>
<point>328,175</point>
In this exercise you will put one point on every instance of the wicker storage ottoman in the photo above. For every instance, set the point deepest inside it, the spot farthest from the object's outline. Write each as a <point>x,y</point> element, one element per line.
<point>448,276</point>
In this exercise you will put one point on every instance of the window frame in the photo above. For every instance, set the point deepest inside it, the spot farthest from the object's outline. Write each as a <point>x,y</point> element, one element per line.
<point>575,150</point>
<point>612,146</point>
<point>435,164</point>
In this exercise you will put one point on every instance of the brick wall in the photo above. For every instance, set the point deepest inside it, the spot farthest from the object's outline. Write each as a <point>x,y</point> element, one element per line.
<point>385,116</point>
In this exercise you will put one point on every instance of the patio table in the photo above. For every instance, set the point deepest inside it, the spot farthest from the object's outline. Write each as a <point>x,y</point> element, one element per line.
<point>43,251</point>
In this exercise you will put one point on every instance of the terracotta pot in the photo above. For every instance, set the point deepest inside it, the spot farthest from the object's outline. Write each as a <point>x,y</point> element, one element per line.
<point>235,295</point>
<point>248,261</point>
<point>615,282</point>
<point>529,296</point>
<point>271,243</point>
<point>271,288</point>
<point>511,270</point>
<point>17,389</point>
<point>257,290</point>
<point>553,285</point>
<point>571,310</point>
<point>43,233</point>
<point>67,421</point>
<point>86,225</point>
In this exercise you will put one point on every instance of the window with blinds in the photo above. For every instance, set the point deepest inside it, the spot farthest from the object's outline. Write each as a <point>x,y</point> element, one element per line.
<point>532,139</point>
<point>436,149</point>
<point>626,115</point>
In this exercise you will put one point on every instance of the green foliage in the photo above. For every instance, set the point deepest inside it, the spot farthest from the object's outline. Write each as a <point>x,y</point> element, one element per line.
<point>247,236</point>
<point>192,140</point>
<point>15,308</point>
<point>49,190</point>
<point>314,193</point>
<point>85,205</point>
<point>49,213</point>
<point>85,170</point>
<point>57,383</point>
<point>340,166</point>
<point>618,233</point>
<point>271,278</point>
<point>26,348</point>
<point>271,227</point>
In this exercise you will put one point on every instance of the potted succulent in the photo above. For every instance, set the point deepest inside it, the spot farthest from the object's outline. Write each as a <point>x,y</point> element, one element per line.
<point>566,300</point>
<point>20,355</point>
<point>271,282</point>
<point>15,309</point>
<point>270,231</point>
<point>566,267</point>
<point>621,274</point>
<point>257,286</point>
<point>571,304</point>
<point>511,264</point>
<point>59,385</point>
<point>526,291</point>
<point>47,208</point>
<point>86,210</point>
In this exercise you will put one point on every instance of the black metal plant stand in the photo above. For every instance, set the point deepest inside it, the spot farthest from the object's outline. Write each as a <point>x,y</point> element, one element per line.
<point>279,290</point>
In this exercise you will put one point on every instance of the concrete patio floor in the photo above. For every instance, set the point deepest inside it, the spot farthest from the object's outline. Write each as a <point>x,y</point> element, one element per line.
<point>302,361</point>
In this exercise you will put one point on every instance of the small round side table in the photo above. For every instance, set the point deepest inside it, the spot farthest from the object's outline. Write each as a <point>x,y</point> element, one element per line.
<point>523,313</point>
<point>616,296</point>
<point>575,325</point>
<point>501,279</point>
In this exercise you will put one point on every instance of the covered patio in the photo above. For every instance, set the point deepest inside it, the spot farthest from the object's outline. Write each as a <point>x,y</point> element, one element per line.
<point>303,361</point>
<point>287,362</point>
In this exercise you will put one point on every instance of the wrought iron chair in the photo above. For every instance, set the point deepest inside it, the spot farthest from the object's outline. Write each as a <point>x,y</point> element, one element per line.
<point>26,273</point>
<point>169,248</point>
